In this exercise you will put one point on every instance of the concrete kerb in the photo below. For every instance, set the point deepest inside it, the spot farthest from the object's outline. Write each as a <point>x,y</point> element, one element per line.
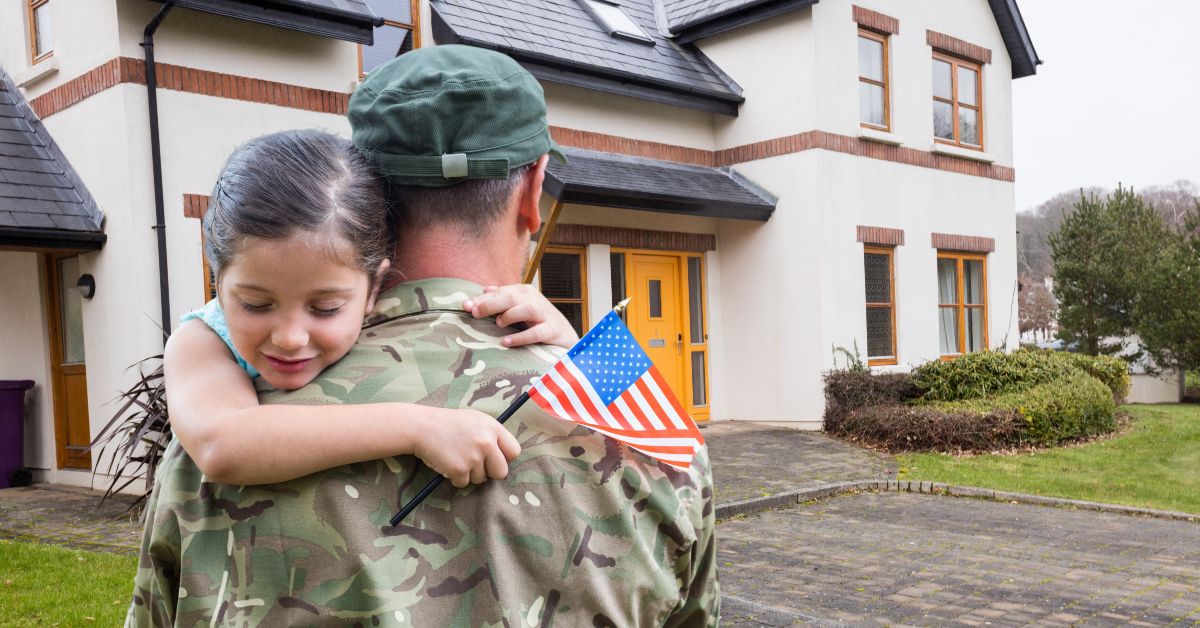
<point>791,498</point>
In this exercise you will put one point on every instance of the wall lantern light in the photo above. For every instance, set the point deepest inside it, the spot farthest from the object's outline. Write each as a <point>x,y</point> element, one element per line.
<point>86,285</point>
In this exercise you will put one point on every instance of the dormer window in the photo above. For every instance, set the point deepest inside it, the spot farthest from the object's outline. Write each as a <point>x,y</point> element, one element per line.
<point>616,21</point>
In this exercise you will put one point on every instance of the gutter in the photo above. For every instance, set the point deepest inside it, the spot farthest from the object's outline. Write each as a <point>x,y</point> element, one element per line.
<point>164,286</point>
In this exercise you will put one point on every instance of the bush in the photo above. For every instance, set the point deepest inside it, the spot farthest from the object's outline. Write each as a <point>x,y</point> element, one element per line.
<point>1073,407</point>
<point>899,428</point>
<point>988,373</point>
<point>849,390</point>
<point>1112,372</point>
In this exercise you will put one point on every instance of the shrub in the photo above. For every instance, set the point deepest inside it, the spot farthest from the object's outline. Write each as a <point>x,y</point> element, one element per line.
<point>1072,407</point>
<point>988,373</point>
<point>849,390</point>
<point>899,428</point>
<point>1112,372</point>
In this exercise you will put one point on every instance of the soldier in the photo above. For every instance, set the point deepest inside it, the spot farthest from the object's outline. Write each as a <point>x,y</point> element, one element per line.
<point>583,532</point>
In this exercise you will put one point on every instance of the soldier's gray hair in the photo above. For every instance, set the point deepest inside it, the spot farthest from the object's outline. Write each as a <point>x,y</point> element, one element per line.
<point>295,183</point>
<point>473,205</point>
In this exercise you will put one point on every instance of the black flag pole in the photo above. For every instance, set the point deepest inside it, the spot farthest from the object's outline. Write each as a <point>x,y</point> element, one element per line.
<point>504,416</point>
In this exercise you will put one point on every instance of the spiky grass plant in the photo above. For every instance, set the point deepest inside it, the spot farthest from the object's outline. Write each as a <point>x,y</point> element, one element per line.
<point>135,438</point>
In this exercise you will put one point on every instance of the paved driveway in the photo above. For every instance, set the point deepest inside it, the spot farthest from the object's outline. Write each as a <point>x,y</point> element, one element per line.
<point>905,558</point>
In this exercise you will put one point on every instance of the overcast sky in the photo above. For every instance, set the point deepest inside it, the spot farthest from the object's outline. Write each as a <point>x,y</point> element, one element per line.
<point>1117,99</point>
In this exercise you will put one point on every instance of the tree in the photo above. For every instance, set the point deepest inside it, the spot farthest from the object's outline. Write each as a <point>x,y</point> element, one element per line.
<point>1036,309</point>
<point>1167,316</point>
<point>1100,252</point>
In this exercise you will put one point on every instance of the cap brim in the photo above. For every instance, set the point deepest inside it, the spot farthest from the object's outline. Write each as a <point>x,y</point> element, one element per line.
<point>557,152</point>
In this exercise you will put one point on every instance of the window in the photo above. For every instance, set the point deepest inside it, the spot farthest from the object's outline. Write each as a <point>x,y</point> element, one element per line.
<point>881,305</point>
<point>41,35</point>
<point>957,102</point>
<point>697,333</point>
<point>398,35</point>
<point>962,303</point>
<point>873,108</point>
<point>563,279</point>
<point>616,21</point>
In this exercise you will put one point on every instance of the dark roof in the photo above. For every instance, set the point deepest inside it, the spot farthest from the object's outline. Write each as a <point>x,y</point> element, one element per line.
<point>43,203</point>
<point>351,20</point>
<point>690,20</point>
<point>560,41</point>
<point>611,180</point>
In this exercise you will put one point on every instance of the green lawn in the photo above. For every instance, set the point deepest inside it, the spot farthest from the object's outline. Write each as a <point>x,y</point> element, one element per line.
<point>44,585</point>
<point>1155,464</point>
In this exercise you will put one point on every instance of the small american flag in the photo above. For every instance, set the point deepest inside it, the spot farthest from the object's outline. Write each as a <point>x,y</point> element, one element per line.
<point>607,383</point>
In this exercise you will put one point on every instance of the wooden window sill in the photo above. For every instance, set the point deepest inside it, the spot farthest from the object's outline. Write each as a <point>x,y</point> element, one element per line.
<point>963,153</point>
<point>36,72</point>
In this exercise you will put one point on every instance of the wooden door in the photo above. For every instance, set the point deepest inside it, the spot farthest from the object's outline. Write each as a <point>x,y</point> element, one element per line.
<point>655,314</point>
<point>68,365</point>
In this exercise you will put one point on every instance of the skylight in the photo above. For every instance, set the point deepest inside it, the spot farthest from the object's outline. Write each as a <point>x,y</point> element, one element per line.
<point>618,23</point>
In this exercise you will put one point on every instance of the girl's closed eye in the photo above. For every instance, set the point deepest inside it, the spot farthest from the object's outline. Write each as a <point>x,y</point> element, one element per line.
<point>255,307</point>
<point>327,310</point>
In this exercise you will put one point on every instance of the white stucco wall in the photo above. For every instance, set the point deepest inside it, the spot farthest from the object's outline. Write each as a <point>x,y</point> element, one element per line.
<point>1165,388</point>
<point>85,36</point>
<point>584,109</point>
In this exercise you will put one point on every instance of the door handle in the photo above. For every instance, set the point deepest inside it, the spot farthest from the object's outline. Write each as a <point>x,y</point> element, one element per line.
<point>679,343</point>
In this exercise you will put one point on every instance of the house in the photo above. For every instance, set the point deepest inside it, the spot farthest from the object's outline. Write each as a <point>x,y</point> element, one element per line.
<point>766,180</point>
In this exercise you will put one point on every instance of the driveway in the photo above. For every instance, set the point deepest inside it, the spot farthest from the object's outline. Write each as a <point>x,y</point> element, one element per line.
<point>928,560</point>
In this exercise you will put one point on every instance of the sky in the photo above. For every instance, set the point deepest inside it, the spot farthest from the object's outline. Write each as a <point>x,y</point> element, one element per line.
<point>1117,98</point>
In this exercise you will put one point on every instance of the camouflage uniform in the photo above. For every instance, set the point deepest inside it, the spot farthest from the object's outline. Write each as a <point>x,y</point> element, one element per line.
<point>584,532</point>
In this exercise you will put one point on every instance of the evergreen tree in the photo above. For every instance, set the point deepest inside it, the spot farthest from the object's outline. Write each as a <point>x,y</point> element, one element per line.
<point>1167,314</point>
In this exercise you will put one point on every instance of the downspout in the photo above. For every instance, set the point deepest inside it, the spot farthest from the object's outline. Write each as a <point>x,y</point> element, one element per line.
<point>164,285</point>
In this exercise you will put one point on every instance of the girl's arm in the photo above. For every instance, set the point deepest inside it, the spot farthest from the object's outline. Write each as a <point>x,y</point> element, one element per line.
<point>216,416</point>
<point>522,303</point>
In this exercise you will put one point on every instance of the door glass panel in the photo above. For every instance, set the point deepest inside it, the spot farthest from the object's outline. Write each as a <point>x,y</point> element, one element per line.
<point>560,276</point>
<point>947,281</point>
<point>699,385</point>
<point>968,85</point>
<point>973,281</point>
<point>870,104</point>
<point>942,83</point>
<point>948,330</point>
<point>968,126</point>
<point>878,278</point>
<point>943,120</point>
<point>879,332</point>
<point>616,265</point>
<point>870,59</point>
<point>72,310</point>
<point>974,329</point>
<point>655,298</point>
<point>695,301</point>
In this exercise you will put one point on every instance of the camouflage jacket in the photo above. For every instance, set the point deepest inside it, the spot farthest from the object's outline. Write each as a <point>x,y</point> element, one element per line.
<point>584,532</point>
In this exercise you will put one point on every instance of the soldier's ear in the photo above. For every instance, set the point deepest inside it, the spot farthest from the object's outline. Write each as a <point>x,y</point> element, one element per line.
<point>530,195</point>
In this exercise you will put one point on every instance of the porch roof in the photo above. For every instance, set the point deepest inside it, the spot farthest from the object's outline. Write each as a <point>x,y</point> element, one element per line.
<point>350,20</point>
<point>43,202</point>
<point>611,180</point>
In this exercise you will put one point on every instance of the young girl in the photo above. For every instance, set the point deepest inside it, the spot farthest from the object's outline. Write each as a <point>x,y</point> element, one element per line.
<point>298,236</point>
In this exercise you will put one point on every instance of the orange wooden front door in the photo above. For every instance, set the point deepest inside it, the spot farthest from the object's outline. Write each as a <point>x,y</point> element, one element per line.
<point>655,314</point>
<point>68,365</point>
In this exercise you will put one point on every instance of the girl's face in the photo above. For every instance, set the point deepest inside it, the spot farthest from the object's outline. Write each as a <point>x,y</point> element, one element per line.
<point>293,308</point>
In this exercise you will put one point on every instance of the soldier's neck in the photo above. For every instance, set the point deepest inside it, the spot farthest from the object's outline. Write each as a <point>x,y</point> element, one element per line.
<point>488,261</point>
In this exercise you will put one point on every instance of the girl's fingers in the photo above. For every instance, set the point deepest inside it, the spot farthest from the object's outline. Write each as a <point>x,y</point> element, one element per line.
<point>530,336</point>
<point>525,313</point>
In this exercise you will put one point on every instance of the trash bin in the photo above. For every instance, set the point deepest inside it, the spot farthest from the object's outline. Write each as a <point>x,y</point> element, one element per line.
<point>12,433</point>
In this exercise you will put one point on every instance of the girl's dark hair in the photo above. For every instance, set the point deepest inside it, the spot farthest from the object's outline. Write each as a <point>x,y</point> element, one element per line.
<point>290,182</point>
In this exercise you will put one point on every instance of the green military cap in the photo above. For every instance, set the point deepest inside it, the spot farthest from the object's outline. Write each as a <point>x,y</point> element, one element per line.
<point>441,115</point>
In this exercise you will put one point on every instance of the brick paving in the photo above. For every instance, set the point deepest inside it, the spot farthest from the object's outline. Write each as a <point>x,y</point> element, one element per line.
<point>69,516</point>
<point>912,559</point>
<point>753,460</point>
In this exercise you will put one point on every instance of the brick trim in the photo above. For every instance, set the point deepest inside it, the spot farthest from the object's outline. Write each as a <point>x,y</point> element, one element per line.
<point>955,242</point>
<point>880,235</point>
<point>194,205</point>
<point>876,21</point>
<point>634,238</point>
<point>591,140</point>
<point>190,80</point>
<point>958,47</point>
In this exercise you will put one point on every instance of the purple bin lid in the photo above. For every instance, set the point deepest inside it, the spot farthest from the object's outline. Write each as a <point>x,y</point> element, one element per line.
<point>16,384</point>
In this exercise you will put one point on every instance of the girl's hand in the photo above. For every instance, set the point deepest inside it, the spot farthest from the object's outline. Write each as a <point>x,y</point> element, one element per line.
<point>522,303</point>
<point>465,446</point>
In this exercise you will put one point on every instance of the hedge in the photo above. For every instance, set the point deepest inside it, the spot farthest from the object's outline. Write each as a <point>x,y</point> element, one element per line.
<point>899,427</point>
<point>990,373</point>
<point>847,391</point>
